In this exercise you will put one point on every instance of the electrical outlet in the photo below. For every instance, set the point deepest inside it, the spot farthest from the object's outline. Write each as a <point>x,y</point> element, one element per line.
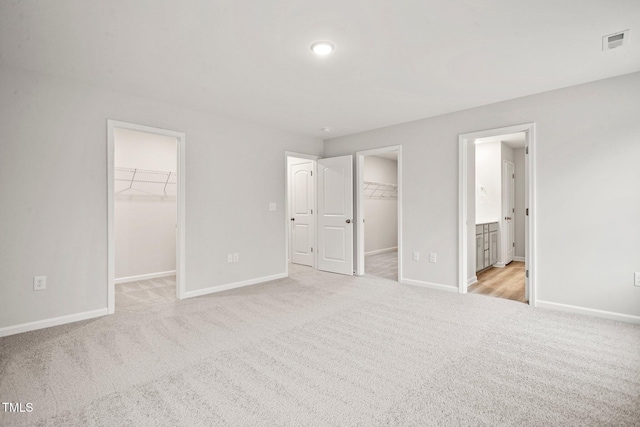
<point>229,257</point>
<point>39,283</point>
<point>433,257</point>
<point>637,277</point>
<point>272,206</point>
<point>236,257</point>
<point>416,256</point>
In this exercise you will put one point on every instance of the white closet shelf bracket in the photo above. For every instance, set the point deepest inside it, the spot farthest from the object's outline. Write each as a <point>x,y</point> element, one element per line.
<point>380,191</point>
<point>144,176</point>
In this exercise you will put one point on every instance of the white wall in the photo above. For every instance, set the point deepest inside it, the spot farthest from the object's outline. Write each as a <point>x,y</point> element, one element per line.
<point>488,182</point>
<point>519,217</point>
<point>144,215</point>
<point>381,225</point>
<point>53,192</point>
<point>587,186</point>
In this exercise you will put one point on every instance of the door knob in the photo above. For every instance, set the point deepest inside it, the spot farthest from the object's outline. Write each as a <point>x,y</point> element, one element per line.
<point>348,221</point>
<point>293,219</point>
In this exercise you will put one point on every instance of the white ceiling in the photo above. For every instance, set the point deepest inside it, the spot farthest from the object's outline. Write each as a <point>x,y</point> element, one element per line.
<point>395,61</point>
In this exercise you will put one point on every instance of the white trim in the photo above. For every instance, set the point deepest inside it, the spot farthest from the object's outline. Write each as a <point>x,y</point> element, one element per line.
<point>55,321</point>
<point>214,289</point>
<point>360,253</point>
<point>429,285</point>
<point>519,258</point>
<point>181,206</point>
<point>145,277</point>
<point>629,318</point>
<point>301,155</point>
<point>530,200</point>
<point>463,224</point>
<point>381,251</point>
<point>498,265</point>
<point>472,280</point>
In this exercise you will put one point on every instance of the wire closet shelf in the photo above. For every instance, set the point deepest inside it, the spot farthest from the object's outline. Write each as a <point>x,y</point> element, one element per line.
<point>380,191</point>
<point>144,177</point>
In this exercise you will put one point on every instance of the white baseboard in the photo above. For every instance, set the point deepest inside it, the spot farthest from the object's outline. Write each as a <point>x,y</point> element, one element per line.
<point>235,285</point>
<point>519,258</point>
<point>588,311</point>
<point>429,285</point>
<point>472,280</point>
<point>55,321</point>
<point>145,277</point>
<point>499,265</point>
<point>381,251</point>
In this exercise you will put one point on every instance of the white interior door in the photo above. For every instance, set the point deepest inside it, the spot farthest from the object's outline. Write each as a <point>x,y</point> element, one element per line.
<point>301,210</point>
<point>508,207</point>
<point>335,215</point>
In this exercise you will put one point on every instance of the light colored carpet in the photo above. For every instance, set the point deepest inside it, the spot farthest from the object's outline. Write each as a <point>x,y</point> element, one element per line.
<point>325,349</point>
<point>382,265</point>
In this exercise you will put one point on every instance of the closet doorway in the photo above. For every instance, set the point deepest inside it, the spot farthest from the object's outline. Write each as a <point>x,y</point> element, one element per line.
<point>378,244</point>
<point>146,215</point>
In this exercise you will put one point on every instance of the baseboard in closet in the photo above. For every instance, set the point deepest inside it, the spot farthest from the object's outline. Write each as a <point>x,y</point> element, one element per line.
<point>145,277</point>
<point>381,251</point>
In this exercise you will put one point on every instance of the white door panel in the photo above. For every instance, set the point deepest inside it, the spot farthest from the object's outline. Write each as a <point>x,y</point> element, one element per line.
<point>335,215</point>
<point>333,237</point>
<point>333,200</point>
<point>508,219</point>
<point>301,181</point>
<point>301,210</point>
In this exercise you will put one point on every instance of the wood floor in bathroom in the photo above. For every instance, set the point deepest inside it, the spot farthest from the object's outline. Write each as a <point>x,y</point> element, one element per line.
<point>507,282</point>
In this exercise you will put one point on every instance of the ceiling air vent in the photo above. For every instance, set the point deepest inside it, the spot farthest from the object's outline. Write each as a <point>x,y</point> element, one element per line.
<point>615,40</point>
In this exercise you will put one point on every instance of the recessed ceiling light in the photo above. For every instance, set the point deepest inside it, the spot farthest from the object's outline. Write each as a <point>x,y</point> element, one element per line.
<point>322,48</point>
<point>326,129</point>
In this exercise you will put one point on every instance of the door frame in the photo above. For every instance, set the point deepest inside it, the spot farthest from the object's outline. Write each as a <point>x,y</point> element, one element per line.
<point>287,221</point>
<point>504,222</point>
<point>465,198</point>
<point>359,194</point>
<point>112,125</point>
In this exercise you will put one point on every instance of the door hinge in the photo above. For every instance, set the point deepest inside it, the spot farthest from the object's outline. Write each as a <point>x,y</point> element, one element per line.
<point>526,150</point>
<point>527,273</point>
<point>311,211</point>
<point>514,244</point>
<point>513,210</point>
<point>312,250</point>
<point>311,173</point>
<point>527,212</point>
<point>513,175</point>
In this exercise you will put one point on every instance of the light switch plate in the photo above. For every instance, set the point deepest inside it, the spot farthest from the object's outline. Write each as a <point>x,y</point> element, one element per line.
<point>637,278</point>
<point>416,256</point>
<point>433,257</point>
<point>39,283</point>
<point>272,206</point>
